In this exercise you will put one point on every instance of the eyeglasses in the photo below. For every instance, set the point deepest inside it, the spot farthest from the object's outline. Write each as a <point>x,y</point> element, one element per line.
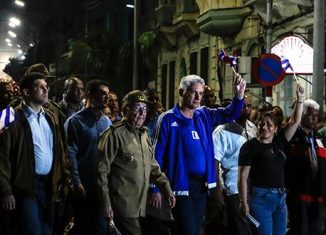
<point>140,109</point>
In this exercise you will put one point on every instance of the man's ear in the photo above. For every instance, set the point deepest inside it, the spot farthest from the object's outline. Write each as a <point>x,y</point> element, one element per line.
<point>125,110</point>
<point>181,93</point>
<point>26,92</point>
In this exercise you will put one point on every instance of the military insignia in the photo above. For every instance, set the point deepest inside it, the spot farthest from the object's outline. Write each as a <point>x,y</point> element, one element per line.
<point>141,98</point>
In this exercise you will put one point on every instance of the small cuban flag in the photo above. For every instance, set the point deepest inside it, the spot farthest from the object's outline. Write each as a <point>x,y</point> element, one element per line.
<point>286,64</point>
<point>231,60</point>
<point>7,116</point>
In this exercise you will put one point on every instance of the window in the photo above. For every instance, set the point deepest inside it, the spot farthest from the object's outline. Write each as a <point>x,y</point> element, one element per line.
<point>204,64</point>
<point>171,83</point>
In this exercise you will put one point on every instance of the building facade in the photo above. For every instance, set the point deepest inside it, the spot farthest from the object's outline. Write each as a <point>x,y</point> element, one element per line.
<point>192,32</point>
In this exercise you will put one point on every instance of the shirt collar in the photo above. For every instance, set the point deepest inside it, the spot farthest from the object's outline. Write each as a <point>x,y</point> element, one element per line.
<point>29,111</point>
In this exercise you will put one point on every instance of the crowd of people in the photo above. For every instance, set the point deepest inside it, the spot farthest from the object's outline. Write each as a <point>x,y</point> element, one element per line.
<point>88,165</point>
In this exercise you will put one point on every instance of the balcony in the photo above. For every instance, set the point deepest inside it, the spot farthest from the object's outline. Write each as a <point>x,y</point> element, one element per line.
<point>175,18</point>
<point>223,22</point>
<point>164,14</point>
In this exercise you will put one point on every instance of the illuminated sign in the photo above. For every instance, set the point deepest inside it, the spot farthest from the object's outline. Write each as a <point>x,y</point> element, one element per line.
<point>299,53</point>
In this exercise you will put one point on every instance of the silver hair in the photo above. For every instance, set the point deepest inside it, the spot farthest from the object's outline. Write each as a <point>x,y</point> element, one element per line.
<point>310,103</point>
<point>189,80</point>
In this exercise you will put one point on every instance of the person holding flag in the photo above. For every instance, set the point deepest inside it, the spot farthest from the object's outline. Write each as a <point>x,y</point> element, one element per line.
<point>183,147</point>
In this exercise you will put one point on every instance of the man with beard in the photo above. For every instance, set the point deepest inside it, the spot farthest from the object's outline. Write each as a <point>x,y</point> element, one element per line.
<point>305,174</point>
<point>83,133</point>
<point>126,166</point>
<point>73,96</point>
<point>31,161</point>
<point>228,139</point>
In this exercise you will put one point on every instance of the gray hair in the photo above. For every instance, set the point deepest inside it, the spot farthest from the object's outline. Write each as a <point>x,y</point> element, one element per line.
<point>310,103</point>
<point>189,80</point>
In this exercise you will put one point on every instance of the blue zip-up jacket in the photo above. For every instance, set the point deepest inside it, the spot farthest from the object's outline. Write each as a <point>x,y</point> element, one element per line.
<point>169,147</point>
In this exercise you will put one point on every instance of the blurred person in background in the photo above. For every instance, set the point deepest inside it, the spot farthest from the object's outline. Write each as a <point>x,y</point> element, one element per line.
<point>73,95</point>
<point>113,105</point>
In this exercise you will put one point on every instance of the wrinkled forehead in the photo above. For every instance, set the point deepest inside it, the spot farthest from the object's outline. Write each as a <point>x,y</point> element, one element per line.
<point>139,104</point>
<point>311,110</point>
<point>196,86</point>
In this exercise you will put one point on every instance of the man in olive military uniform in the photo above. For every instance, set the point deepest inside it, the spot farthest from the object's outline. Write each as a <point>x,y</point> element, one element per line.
<point>126,166</point>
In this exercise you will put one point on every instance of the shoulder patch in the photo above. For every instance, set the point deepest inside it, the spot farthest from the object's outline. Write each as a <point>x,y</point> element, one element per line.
<point>118,124</point>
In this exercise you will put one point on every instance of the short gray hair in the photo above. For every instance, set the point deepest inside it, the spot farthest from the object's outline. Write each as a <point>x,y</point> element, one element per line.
<point>310,103</point>
<point>188,80</point>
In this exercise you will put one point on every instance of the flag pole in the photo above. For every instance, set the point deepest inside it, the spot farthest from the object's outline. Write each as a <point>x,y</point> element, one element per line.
<point>295,77</point>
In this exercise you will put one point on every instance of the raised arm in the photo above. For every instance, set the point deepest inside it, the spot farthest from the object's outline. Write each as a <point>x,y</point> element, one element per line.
<point>239,86</point>
<point>296,115</point>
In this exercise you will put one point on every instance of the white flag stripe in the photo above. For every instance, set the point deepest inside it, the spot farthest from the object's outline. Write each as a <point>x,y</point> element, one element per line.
<point>5,120</point>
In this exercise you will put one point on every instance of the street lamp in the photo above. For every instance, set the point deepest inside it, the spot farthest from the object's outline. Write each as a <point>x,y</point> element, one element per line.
<point>13,22</point>
<point>12,34</point>
<point>20,3</point>
<point>135,61</point>
<point>135,54</point>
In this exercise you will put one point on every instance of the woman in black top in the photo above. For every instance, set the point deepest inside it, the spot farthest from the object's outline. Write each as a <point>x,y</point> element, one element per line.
<point>262,160</point>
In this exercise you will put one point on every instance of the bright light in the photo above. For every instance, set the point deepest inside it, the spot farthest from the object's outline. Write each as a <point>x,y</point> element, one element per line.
<point>31,44</point>
<point>15,21</point>
<point>20,52</point>
<point>9,44</point>
<point>12,25</point>
<point>8,40</point>
<point>19,3</point>
<point>130,6</point>
<point>12,34</point>
<point>19,46</point>
<point>23,57</point>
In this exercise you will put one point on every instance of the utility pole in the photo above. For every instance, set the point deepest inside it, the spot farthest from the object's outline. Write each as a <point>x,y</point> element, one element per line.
<point>135,54</point>
<point>269,38</point>
<point>319,53</point>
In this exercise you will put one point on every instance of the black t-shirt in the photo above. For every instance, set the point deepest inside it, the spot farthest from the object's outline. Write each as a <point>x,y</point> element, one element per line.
<point>266,161</point>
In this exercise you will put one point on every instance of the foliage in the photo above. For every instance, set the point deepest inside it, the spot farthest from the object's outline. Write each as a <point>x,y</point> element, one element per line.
<point>15,68</point>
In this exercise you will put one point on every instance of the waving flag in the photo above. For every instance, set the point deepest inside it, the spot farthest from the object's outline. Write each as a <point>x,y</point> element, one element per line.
<point>7,116</point>
<point>231,60</point>
<point>286,64</point>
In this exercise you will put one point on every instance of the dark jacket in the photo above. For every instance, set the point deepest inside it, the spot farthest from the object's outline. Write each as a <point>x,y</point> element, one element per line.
<point>17,171</point>
<point>299,178</point>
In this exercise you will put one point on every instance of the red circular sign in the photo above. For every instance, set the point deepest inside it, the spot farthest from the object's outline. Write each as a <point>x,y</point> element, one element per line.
<point>267,70</point>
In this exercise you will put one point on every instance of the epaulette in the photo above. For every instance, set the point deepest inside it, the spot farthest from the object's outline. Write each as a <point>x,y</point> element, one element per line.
<point>52,103</point>
<point>118,124</point>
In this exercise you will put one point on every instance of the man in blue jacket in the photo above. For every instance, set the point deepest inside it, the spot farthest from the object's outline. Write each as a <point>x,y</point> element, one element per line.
<point>184,149</point>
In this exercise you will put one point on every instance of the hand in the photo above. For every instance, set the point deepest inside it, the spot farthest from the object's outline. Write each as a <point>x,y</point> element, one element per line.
<point>156,200</point>
<point>8,203</point>
<point>239,86</point>
<point>108,213</point>
<point>300,93</point>
<point>220,198</point>
<point>244,208</point>
<point>79,191</point>
<point>171,200</point>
